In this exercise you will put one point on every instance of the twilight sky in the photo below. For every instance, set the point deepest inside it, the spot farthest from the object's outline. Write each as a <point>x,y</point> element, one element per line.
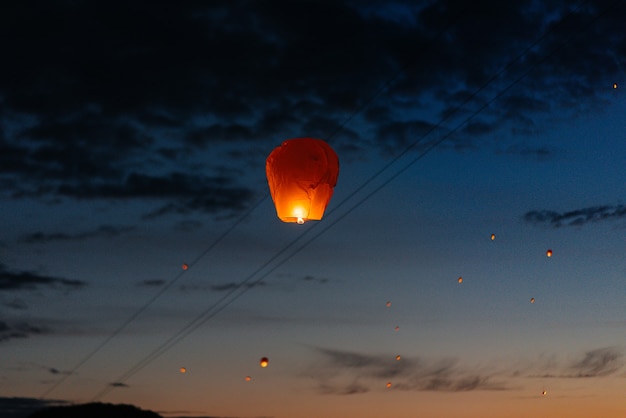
<point>133,140</point>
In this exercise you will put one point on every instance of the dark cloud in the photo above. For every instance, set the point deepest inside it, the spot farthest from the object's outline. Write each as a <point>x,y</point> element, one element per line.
<point>152,282</point>
<point>19,330</point>
<point>150,101</point>
<point>409,373</point>
<point>25,280</point>
<point>320,280</point>
<point>599,362</point>
<point>17,304</point>
<point>540,153</point>
<point>24,407</point>
<point>103,231</point>
<point>232,286</point>
<point>576,217</point>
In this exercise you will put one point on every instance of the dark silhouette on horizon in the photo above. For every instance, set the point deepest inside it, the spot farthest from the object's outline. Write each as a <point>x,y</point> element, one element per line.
<point>94,410</point>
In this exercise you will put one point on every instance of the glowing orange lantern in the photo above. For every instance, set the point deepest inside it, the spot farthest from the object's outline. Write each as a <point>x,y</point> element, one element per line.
<point>614,85</point>
<point>493,237</point>
<point>398,357</point>
<point>460,280</point>
<point>532,300</point>
<point>264,362</point>
<point>388,304</point>
<point>549,253</point>
<point>301,174</point>
<point>388,384</point>
<point>183,370</point>
<point>185,266</point>
<point>248,378</point>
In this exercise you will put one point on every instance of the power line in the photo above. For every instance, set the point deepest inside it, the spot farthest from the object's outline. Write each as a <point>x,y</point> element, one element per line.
<point>247,284</point>
<point>150,301</point>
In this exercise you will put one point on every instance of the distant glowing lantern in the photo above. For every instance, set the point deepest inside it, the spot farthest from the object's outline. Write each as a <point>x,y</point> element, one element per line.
<point>532,300</point>
<point>614,85</point>
<point>544,392</point>
<point>549,253</point>
<point>388,304</point>
<point>493,237</point>
<point>248,378</point>
<point>460,280</point>
<point>264,362</point>
<point>301,174</point>
<point>183,370</point>
<point>185,266</point>
<point>398,357</point>
<point>397,328</point>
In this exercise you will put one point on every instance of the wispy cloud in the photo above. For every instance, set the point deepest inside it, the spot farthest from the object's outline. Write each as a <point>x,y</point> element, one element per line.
<point>26,280</point>
<point>343,372</point>
<point>102,231</point>
<point>365,372</point>
<point>22,407</point>
<point>19,330</point>
<point>17,304</point>
<point>577,217</point>
<point>224,287</point>
<point>599,362</point>
<point>152,283</point>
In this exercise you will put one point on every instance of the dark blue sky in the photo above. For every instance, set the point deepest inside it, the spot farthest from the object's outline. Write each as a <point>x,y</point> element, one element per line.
<point>133,139</point>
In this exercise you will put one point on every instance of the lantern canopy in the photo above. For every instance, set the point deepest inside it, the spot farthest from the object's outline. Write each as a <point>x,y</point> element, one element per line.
<point>301,174</point>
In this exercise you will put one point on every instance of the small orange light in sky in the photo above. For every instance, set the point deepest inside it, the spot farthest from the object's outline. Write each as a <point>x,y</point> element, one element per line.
<point>388,304</point>
<point>388,384</point>
<point>460,280</point>
<point>493,237</point>
<point>549,253</point>
<point>397,328</point>
<point>185,266</point>
<point>398,357</point>
<point>532,300</point>
<point>183,370</point>
<point>614,85</point>
<point>248,378</point>
<point>264,362</point>
<point>544,392</point>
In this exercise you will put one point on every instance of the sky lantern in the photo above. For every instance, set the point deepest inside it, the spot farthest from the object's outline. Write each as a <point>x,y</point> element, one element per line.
<point>614,85</point>
<point>532,300</point>
<point>459,280</point>
<point>398,357</point>
<point>549,253</point>
<point>248,378</point>
<point>183,370</point>
<point>388,384</point>
<point>388,304</point>
<point>264,362</point>
<point>397,328</point>
<point>301,174</point>
<point>185,266</point>
<point>493,237</point>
